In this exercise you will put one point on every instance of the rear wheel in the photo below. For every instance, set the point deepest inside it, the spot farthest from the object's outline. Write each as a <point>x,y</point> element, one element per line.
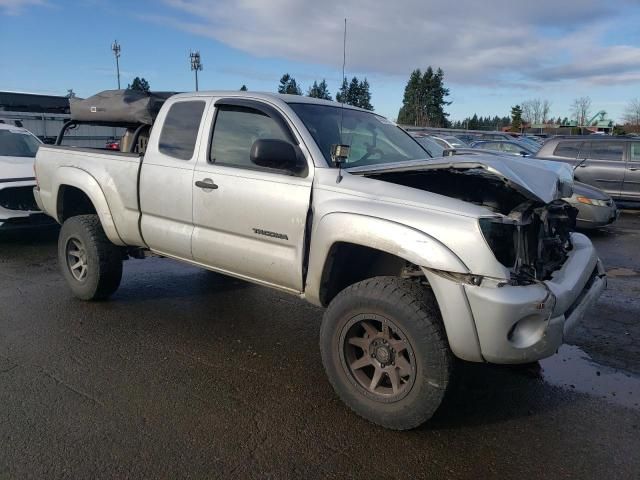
<point>90,263</point>
<point>385,351</point>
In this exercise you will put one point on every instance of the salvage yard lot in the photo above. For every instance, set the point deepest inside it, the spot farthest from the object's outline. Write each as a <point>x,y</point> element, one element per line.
<point>187,373</point>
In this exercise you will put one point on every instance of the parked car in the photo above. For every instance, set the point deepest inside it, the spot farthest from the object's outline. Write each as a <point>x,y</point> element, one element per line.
<point>341,207</point>
<point>467,138</point>
<point>430,145</point>
<point>449,141</point>
<point>610,163</point>
<point>596,209</point>
<point>18,149</point>
<point>509,147</point>
<point>496,136</point>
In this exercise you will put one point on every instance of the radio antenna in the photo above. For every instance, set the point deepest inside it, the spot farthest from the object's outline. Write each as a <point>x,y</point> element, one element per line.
<point>344,79</point>
<point>340,152</point>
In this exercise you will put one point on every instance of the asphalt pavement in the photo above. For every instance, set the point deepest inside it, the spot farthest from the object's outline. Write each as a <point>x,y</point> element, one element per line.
<point>188,374</point>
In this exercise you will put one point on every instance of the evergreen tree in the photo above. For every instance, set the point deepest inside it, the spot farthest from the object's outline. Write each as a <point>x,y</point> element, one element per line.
<point>139,84</point>
<point>243,88</point>
<point>289,85</point>
<point>516,118</point>
<point>425,99</point>
<point>364,97</point>
<point>319,90</point>
<point>341,96</point>
<point>409,112</point>
<point>355,93</point>
<point>473,123</point>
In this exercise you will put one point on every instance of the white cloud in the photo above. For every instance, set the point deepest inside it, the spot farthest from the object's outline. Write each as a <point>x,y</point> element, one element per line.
<point>475,42</point>
<point>16,7</point>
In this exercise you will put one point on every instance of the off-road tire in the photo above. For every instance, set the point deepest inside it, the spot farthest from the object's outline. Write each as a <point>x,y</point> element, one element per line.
<point>103,258</point>
<point>414,309</point>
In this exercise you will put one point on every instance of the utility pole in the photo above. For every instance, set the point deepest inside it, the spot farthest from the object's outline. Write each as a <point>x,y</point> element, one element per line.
<point>195,64</point>
<point>115,47</point>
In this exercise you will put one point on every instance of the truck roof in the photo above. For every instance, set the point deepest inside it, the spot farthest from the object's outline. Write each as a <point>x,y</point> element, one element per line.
<point>274,97</point>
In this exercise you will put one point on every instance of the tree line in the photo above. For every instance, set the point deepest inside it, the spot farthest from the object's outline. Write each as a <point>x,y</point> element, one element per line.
<point>356,92</point>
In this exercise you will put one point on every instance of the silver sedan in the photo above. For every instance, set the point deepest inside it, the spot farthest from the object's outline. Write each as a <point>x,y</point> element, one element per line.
<point>595,208</point>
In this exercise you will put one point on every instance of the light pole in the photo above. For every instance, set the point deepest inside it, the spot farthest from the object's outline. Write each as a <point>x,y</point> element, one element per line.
<point>195,64</point>
<point>115,47</point>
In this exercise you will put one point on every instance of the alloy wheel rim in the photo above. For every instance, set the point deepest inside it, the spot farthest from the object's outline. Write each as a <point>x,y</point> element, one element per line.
<point>76,256</point>
<point>377,357</point>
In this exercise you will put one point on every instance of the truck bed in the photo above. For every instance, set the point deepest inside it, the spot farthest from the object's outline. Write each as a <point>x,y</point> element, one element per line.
<point>114,174</point>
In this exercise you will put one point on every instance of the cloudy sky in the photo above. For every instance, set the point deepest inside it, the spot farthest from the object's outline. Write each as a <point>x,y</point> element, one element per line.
<point>495,53</point>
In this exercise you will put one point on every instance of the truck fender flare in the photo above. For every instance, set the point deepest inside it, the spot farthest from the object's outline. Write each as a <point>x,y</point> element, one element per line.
<point>85,182</point>
<point>412,245</point>
<point>388,236</point>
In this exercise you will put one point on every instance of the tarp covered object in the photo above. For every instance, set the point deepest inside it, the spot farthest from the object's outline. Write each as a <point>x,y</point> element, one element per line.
<point>119,107</point>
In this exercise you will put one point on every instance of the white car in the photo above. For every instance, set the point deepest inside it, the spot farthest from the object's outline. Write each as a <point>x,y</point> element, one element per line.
<point>18,147</point>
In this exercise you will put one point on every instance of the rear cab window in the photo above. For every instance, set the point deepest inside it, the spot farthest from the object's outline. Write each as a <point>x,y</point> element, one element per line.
<point>180,129</point>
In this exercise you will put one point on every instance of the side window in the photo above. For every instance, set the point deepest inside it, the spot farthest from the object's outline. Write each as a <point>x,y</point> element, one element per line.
<point>180,129</point>
<point>567,149</point>
<point>635,152</point>
<point>611,151</point>
<point>235,131</point>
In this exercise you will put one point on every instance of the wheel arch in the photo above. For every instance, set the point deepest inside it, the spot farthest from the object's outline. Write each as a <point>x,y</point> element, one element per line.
<point>79,193</point>
<point>385,240</point>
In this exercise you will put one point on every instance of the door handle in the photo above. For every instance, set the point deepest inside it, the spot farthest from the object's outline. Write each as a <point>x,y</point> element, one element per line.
<point>206,184</point>
<point>634,169</point>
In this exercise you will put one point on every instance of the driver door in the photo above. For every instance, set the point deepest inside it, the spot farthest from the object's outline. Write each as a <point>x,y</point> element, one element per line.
<point>249,221</point>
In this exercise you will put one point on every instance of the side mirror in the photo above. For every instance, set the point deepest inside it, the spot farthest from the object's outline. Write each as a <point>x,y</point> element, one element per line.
<point>277,155</point>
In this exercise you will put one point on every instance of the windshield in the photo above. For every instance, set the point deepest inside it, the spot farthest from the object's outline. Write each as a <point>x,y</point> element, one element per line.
<point>373,139</point>
<point>18,143</point>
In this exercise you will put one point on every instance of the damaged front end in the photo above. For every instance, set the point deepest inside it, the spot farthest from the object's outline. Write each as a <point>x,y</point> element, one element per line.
<point>529,231</point>
<point>532,241</point>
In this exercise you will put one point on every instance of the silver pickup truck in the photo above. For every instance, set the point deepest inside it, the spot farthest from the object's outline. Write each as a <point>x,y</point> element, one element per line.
<point>418,261</point>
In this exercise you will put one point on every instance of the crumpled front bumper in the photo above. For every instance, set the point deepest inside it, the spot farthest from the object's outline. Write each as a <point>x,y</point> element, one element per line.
<point>520,324</point>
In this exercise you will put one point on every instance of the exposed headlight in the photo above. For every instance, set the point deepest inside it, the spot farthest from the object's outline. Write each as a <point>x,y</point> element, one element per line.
<point>501,238</point>
<point>593,201</point>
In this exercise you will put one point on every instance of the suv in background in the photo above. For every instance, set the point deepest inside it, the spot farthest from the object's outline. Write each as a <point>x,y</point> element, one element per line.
<point>610,163</point>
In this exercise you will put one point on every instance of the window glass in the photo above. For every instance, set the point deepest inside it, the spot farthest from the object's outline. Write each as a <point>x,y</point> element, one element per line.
<point>489,146</point>
<point>612,151</point>
<point>235,131</point>
<point>568,149</point>
<point>635,152</point>
<point>509,147</point>
<point>180,129</point>
<point>373,139</point>
<point>18,143</point>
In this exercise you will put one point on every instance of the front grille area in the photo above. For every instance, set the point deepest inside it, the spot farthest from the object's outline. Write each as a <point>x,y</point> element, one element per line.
<point>18,198</point>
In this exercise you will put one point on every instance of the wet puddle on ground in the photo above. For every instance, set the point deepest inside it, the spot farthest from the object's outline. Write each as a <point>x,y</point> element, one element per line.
<point>573,369</point>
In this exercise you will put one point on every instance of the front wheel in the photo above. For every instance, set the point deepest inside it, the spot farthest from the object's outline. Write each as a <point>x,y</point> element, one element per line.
<point>385,351</point>
<point>90,263</point>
